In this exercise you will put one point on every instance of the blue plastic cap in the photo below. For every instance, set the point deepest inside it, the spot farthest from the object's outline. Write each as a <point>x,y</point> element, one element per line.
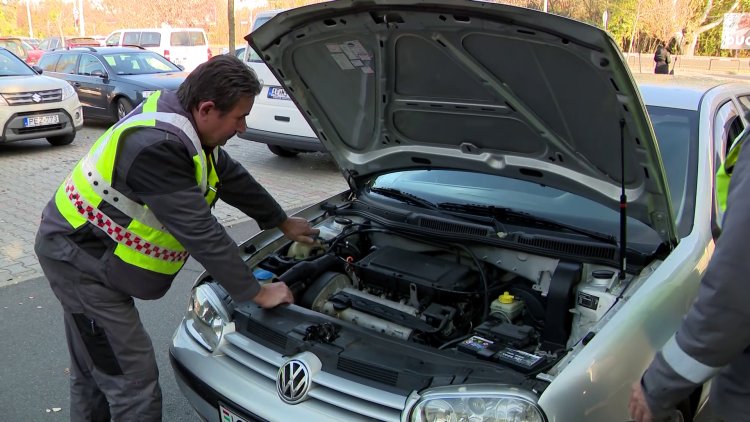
<point>263,274</point>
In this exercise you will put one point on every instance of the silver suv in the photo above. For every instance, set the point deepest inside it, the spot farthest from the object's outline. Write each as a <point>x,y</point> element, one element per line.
<point>35,106</point>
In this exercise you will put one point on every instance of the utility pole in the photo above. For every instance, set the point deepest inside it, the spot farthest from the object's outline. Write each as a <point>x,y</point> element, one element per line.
<point>230,21</point>
<point>81,25</point>
<point>28,17</point>
<point>545,6</point>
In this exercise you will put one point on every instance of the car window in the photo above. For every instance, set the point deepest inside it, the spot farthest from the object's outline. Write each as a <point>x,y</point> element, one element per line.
<point>15,47</point>
<point>11,65</point>
<point>138,63</point>
<point>131,38</point>
<point>676,132</point>
<point>67,63</point>
<point>89,64</point>
<point>727,126</point>
<point>187,39</point>
<point>150,39</point>
<point>113,40</point>
<point>48,62</point>
<point>44,45</point>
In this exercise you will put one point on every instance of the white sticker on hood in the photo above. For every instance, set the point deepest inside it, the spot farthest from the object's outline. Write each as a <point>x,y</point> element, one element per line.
<point>351,55</point>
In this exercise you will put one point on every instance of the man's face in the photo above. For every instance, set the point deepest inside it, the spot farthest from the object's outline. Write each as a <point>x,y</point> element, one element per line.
<point>215,128</point>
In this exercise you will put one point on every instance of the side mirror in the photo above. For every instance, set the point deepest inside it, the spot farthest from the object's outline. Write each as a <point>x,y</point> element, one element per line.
<point>37,69</point>
<point>100,73</point>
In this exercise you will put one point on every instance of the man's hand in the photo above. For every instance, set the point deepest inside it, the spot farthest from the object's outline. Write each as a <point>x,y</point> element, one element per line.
<point>638,406</point>
<point>298,230</point>
<point>273,294</point>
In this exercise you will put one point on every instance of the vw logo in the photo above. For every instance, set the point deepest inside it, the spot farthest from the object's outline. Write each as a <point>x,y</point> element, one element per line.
<point>36,98</point>
<point>293,381</point>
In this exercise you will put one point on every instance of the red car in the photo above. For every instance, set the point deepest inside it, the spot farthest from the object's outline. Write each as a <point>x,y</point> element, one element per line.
<point>21,49</point>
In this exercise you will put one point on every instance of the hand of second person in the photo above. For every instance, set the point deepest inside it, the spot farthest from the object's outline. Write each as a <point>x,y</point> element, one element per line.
<point>273,294</point>
<point>298,229</point>
<point>638,406</point>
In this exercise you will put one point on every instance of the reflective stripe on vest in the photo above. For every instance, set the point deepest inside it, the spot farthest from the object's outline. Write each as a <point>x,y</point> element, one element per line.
<point>144,243</point>
<point>724,175</point>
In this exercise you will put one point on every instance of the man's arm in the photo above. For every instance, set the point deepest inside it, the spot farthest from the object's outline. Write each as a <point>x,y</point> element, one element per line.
<point>162,176</point>
<point>714,331</point>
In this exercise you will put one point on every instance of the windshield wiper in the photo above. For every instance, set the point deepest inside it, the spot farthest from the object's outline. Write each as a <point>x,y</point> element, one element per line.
<point>405,197</point>
<point>506,214</point>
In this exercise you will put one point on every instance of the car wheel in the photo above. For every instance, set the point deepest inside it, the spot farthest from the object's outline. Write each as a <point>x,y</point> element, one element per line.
<point>122,108</point>
<point>282,152</point>
<point>62,139</point>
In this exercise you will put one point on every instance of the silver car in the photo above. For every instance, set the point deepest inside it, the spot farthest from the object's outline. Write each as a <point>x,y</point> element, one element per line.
<point>522,232</point>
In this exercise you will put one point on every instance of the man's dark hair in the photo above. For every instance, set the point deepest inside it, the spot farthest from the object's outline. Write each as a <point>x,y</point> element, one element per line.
<point>223,79</point>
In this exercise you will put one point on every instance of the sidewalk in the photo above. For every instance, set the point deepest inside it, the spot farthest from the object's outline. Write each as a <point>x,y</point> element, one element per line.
<point>704,65</point>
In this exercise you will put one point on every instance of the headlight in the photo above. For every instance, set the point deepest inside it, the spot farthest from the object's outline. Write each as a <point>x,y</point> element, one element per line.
<point>146,94</point>
<point>477,403</point>
<point>68,91</point>
<point>208,313</point>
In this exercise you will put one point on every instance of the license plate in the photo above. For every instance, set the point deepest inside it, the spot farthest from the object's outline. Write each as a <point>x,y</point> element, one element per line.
<point>277,93</point>
<point>227,415</point>
<point>44,120</point>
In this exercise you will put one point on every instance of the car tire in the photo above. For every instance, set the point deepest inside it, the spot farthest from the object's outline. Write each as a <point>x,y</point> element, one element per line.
<point>122,108</point>
<point>282,152</point>
<point>61,139</point>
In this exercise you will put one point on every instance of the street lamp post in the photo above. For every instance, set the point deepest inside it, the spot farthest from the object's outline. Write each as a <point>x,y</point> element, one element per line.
<point>28,17</point>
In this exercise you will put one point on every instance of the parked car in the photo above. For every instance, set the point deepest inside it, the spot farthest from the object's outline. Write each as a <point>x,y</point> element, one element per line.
<point>34,42</point>
<point>187,47</point>
<point>54,43</point>
<point>21,49</point>
<point>35,106</point>
<point>482,266</point>
<point>275,120</point>
<point>111,81</point>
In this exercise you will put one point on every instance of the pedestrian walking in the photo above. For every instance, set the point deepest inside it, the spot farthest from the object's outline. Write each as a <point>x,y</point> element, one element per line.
<point>662,59</point>
<point>713,340</point>
<point>125,220</point>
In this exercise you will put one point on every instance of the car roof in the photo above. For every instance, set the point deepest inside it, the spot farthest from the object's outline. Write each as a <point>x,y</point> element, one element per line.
<point>683,92</point>
<point>157,29</point>
<point>100,50</point>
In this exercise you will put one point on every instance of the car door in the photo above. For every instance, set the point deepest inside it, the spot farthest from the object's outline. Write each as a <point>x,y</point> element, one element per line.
<point>93,86</point>
<point>188,48</point>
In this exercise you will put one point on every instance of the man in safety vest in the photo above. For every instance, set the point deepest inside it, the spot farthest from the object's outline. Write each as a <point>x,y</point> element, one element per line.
<point>123,222</point>
<point>713,340</point>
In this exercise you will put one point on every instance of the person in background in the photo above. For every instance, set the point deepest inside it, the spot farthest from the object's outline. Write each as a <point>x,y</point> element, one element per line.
<point>125,220</point>
<point>662,59</point>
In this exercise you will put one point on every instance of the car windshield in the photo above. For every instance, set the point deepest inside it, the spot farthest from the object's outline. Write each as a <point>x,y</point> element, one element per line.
<point>139,63</point>
<point>676,132</point>
<point>11,65</point>
<point>14,46</point>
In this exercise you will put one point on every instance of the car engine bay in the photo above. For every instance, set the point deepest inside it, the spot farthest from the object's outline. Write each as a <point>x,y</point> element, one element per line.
<point>500,306</point>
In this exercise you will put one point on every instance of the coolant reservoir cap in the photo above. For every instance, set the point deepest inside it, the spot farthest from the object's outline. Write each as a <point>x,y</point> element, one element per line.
<point>505,298</point>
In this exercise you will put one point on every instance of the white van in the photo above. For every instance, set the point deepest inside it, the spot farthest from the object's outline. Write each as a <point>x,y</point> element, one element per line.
<point>275,120</point>
<point>187,47</point>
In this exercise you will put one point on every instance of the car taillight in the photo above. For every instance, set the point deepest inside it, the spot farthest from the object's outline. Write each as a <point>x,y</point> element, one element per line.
<point>209,53</point>
<point>166,54</point>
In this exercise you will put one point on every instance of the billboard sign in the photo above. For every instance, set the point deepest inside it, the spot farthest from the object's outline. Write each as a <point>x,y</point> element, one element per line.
<point>736,31</point>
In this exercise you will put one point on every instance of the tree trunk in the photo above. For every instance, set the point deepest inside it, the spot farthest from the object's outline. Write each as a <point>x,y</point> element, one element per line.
<point>230,21</point>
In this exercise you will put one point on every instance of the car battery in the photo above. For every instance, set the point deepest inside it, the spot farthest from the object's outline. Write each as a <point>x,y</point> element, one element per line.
<point>479,347</point>
<point>519,360</point>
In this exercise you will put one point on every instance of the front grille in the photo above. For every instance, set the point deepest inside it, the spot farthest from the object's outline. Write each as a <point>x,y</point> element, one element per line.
<point>27,130</point>
<point>369,371</point>
<point>266,334</point>
<point>328,391</point>
<point>33,97</point>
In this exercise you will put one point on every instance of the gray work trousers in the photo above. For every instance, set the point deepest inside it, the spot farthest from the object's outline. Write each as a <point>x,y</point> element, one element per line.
<point>113,372</point>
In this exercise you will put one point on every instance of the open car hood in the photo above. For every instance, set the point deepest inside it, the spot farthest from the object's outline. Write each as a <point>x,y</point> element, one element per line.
<point>482,87</point>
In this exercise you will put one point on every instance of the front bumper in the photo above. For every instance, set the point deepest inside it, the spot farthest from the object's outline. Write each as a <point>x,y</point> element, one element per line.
<point>208,380</point>
<point>11,118</point>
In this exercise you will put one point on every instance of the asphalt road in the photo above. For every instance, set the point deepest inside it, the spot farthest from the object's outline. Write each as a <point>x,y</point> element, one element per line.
<point>33,353</point>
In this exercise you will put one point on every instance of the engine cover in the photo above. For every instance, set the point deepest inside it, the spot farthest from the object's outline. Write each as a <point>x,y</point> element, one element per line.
<point>394,270</point>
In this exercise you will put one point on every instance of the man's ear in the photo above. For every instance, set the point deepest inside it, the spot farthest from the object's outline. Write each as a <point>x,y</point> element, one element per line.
<point>205,107</point>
